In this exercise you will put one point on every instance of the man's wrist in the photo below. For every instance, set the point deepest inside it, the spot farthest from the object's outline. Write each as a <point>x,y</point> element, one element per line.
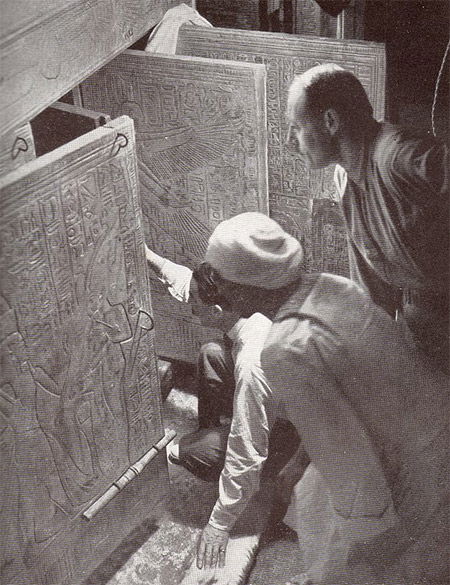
<point>218,526</point>
<point>221,528</point>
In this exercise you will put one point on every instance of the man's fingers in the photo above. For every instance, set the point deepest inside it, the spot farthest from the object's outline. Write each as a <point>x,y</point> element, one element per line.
<point>201,554</point>
<point>211,548</point>
<point>222,552</point>
<point>215,555</point>
<point>209,556</point>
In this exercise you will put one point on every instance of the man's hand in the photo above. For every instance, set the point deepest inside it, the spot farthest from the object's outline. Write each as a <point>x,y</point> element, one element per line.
<point>156,262</point>
<point>212,547</point>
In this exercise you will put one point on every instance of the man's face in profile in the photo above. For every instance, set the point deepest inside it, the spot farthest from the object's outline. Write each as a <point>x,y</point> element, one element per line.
<point>211,315</point>
<point>307,135</point>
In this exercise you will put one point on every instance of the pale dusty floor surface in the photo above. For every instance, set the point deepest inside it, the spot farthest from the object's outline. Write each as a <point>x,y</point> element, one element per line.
<point>162,555</point>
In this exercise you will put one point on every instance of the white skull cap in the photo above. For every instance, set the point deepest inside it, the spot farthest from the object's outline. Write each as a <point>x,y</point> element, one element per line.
<point>253,249</point>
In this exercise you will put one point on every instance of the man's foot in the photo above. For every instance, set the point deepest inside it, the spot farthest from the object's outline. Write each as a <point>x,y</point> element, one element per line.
<point>173,453</point>
<point>166,377</point>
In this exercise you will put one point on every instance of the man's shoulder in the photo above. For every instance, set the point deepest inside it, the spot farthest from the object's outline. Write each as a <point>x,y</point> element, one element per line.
<point>400,145</point>
<point>326,323</point>
<point>320,290</point>
<point>299,338</point>
<point>396,134</point>
<point>317,314</point>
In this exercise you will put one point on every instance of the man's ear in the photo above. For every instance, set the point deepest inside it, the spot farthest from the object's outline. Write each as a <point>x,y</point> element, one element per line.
<point>332,121</point>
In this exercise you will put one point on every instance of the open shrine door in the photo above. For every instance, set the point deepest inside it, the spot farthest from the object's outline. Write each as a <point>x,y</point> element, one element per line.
<point>79,392</point>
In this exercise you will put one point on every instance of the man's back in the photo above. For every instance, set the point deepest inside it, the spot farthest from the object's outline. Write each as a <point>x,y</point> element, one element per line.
<point>368,407</point>
<point>396,209</point>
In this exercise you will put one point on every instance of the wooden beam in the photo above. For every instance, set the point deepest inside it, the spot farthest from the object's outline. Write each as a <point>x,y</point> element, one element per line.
<point>62,123</point>
<point>49,46</point>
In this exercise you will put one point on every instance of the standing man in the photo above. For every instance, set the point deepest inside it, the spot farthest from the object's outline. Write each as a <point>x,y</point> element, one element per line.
<point>394,196</point>
<point>372,507</point>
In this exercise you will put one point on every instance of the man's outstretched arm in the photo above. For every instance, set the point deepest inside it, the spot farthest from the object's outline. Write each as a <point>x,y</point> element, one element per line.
<point>155,261</point>
<point>176,277</point>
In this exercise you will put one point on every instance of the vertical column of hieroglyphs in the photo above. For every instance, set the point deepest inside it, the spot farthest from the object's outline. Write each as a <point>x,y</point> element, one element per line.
<point>292,188</point>
<point>201,144</point>
<point>78,392</point>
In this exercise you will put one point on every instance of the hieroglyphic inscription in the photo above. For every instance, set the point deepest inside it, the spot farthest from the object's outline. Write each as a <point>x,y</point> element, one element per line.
<point>49,46</point>
<point>329,238</point>
<point>179,325</point>
<point>79,396</point>
<point>201,144</point>
<point>292,188</point>
<point>16,148</point>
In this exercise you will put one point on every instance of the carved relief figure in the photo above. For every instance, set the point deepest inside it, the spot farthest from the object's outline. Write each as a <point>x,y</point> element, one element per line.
<point>201,145</point>
<point>78,383</point>
<point>40,503</point>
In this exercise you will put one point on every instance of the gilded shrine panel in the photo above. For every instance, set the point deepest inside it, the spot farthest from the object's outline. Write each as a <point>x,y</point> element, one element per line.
<point>49,46</point>
<point>293,188</point>
<point>202,147</point>
<point>79,394</point>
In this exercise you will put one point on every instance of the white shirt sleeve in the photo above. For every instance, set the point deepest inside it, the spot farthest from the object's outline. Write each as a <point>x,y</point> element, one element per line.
<point>254,413</point>
<point>177,278</point>
<point>340,180</point>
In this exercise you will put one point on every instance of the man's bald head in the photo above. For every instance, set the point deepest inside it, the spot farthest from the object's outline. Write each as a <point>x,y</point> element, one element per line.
<point>330,86</point>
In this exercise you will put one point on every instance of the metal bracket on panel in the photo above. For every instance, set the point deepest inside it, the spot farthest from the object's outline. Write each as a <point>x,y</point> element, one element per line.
<point>20,145</point>
<point>121,141</point>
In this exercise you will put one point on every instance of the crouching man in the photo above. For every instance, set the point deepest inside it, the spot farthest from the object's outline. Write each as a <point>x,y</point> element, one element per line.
<point>232,397</point>
<point>372,506</point>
